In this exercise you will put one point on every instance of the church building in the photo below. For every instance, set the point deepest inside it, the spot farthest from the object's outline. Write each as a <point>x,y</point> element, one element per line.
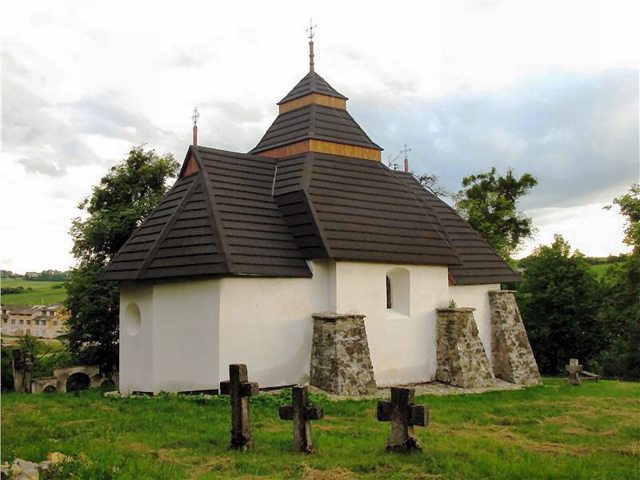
<point>246,248</point>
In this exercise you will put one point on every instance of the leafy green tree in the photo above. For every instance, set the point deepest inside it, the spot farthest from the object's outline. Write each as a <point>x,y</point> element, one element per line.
<point>621,299</point>
<point>559,298</point>
<point>117,205</point>
<point>432,183</point>
<point>489,203</point>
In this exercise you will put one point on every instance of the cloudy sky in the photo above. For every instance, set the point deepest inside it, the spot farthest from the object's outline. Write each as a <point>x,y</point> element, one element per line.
<point>546,87</point>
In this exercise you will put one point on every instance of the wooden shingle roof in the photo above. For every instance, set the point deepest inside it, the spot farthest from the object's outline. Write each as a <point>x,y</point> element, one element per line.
<point>314,122</point>
<point>350,209</point>
<point>247,215</point>
<point>221,220</point>
<point>480,262</point>
<point>311,83</point>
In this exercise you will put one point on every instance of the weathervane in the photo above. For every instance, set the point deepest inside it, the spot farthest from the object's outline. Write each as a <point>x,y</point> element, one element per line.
<point>310,35</point>
<point>195,118</point>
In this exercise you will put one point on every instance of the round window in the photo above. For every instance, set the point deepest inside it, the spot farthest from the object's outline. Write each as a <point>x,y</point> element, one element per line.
<point>132,319</point>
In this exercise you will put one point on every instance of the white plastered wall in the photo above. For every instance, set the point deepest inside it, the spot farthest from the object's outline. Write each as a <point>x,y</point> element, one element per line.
<point>477,296</point>
<point>176,347</point>
<point>186,346</point>
<point>136,349</point>
<point>191,330</point>
<point>403,347</point>
<point>266,324</point>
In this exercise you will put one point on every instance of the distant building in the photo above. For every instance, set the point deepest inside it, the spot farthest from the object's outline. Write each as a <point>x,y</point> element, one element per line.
<point>48,321</point>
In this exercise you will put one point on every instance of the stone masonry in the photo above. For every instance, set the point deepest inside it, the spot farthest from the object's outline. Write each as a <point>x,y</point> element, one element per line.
<point>511,352</point>
<point>462,360</point>
<point>340,359</point>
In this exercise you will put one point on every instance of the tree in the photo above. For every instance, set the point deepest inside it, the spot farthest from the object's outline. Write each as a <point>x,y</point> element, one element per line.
<point>489,203</point>
<point>559,298</point>
<point>629,205</point>
<point>117,205</point>
<point>621,298</point>
<point>431,183</point>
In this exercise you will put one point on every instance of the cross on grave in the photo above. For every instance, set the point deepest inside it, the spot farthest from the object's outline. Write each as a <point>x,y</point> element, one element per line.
<point>403,415</point>
<point>301,413</point>
<point>574,369</point>
<point>240,390</point>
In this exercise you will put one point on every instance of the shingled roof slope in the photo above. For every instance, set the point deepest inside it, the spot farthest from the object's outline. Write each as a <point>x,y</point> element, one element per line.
<point>311,83</point>
<point>314,122</point>
<point>221,220</point>
<point>256,239</point>
<point>177,239</point>
<point>357,210</point>
<point>480,262</point>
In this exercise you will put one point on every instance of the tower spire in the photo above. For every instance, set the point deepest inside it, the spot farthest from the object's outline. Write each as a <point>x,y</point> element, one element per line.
<point>310,35</point>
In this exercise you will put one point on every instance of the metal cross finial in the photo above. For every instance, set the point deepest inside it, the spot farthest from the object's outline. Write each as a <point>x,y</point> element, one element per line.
<point>195,116</point>
<point>310,33</point>
<point>405,150</point>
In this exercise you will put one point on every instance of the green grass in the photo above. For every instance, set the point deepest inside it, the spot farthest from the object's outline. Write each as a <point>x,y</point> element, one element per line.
<point>42,292</point>
<point>601,269</point>
<point>553,432</point>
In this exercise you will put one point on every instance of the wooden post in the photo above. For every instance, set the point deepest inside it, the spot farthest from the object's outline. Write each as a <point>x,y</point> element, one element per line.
<point>301,413</point>
<point>240,390</point>
<point>574,369</point>
<point>403,415</point>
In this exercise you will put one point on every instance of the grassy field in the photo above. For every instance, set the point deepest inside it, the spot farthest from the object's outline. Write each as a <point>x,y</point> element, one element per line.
<point>555,432</point>
<point>42,292</point>
<point>601,269</point>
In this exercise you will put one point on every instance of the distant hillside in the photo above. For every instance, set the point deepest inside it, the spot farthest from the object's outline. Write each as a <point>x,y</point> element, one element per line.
<point>28,292</point>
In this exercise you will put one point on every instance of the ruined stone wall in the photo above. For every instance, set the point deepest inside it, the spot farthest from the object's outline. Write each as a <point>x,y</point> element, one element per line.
<point>511,352</point>
<point>462,360</point>
<point>340,359</point>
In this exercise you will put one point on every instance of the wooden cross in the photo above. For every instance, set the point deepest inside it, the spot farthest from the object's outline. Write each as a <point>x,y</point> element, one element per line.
<point>574,369</point>
<point>301,413</point>
<point>403,415</point>
<point>240,390</point>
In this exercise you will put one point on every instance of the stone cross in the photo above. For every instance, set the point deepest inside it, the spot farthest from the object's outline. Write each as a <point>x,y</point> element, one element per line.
<point>403,415</point>
<point>574,369</point>
<point>301,413</point>
<point>240,390</point>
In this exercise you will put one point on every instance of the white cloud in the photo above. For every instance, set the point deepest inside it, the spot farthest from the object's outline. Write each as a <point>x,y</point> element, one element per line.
<point>588,228</point>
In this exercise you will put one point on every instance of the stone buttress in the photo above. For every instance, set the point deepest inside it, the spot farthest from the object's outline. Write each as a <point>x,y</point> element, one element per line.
<point>511,352</point>
<point>340,358</point>
<point>462,360</point>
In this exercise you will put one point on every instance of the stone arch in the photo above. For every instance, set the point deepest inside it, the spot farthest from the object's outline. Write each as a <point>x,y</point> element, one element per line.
<point>49,389</point>
<point>399,291</point>
<point>63,374</point>
<point>77,381</point>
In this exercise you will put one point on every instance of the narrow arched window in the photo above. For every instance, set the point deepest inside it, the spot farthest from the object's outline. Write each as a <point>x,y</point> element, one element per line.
<point>398,291</point>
